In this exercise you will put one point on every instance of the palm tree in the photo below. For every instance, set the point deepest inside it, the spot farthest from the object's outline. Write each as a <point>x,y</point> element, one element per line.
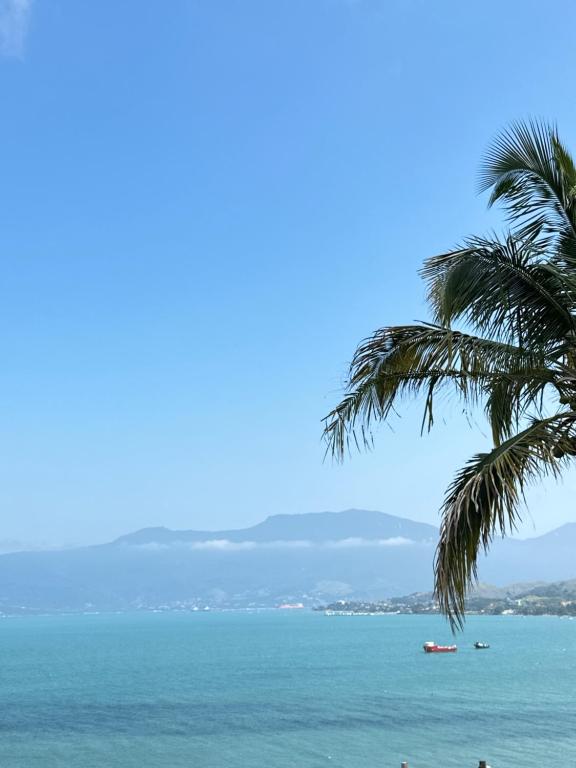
<point>503,336</point>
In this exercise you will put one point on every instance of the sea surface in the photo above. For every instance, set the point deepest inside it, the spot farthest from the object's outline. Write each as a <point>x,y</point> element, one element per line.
<point>285,690</point>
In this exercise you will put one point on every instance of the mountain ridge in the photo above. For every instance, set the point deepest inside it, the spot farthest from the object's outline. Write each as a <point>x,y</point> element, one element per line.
<point>311,558</point>
<point>326,526</point>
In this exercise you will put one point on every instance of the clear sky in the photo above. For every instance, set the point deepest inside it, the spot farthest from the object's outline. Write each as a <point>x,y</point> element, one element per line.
<point>204,205</point>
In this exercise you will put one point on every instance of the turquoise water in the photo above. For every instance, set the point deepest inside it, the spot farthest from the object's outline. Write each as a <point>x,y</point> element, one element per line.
<point>279,690</point>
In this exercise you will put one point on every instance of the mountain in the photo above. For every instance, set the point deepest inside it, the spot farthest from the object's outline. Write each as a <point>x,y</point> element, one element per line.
<point>286,558</point>
<point>314,527</point>
<point>550,557</point>
<point>563,590</point>
<point>309,558</point>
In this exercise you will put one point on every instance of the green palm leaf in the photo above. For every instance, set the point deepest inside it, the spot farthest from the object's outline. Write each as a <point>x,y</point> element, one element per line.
<point>515,352</point>
<point>504,288</point>
<point>415,359</point>
<point>529,170</point>
<point>484,500</point>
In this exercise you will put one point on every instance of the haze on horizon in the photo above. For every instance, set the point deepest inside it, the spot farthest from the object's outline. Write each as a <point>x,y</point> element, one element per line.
<point>203,212</point>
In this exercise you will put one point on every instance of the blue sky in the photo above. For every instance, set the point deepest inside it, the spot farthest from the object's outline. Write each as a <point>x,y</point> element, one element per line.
<point>205,204</point>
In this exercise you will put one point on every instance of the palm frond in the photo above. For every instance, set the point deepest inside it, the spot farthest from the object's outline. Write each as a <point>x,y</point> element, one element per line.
<point>566,246</point>
<point>409,360</point>
<point>485,498</point>
<point>527,171</point>
<point>506,289</point>
<point>517,298</point>
<point>511,396</point>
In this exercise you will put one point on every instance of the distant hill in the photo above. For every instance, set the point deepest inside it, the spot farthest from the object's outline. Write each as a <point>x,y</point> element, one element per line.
<point>314,527</point>
<point>557,599</point>
<point>563,590</point>
<point>309,558</point>
<point>551,557</point>
<point>287,558</point>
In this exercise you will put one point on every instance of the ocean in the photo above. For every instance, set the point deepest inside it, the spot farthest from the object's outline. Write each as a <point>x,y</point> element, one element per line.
<point>284,690</point>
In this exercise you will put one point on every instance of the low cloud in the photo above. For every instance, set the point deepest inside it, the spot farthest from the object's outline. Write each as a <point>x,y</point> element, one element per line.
<point>396,541</point>
<point>14,21</point>
<point>224,545</point>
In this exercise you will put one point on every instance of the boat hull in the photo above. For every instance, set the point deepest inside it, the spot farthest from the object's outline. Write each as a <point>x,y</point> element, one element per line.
<point>440,648</point>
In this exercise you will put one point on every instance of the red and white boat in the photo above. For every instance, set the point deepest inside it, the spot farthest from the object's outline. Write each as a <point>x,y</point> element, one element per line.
<point>433,648</point>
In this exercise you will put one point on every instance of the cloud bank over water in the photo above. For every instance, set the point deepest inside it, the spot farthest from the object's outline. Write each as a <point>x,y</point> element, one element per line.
<point>225,545</point>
